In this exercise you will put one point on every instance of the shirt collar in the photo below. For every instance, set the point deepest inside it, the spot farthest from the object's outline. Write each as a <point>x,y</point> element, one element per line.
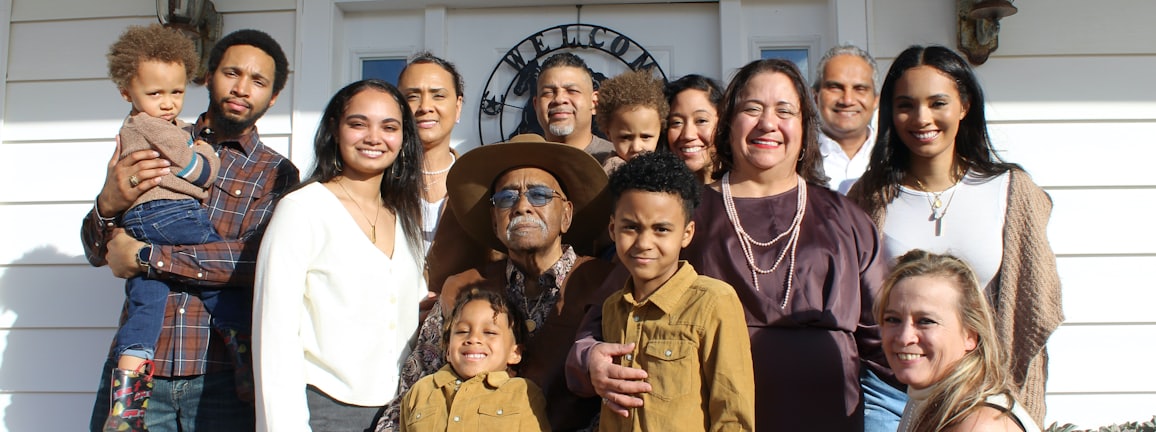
<point>669,295</point>
<point>446,376</point>
<point>827,145</point>
<point>552,278</point>
<point>247,142</point>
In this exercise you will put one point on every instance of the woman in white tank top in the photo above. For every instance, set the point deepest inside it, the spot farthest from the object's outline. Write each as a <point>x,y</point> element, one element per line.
<point>935,183</point>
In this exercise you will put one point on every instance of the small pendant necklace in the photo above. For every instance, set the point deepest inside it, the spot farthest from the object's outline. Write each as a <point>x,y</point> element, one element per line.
<point>372,223</point>
<point>938,207</point>
<point>530,324</point>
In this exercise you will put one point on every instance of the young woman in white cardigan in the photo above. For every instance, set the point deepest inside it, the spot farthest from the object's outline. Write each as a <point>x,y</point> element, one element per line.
<point>339,274</point>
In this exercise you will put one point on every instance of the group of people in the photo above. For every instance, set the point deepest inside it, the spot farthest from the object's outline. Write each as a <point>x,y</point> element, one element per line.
<point>722,260</point>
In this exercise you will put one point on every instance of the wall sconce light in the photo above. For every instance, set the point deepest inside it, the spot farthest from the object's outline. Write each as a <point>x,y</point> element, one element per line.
<point>978,26</point>
<point>197,19</point>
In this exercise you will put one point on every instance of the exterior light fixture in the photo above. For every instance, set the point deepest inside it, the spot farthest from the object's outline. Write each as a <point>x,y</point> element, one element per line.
<point>197,19</point>
<point>978,26</point>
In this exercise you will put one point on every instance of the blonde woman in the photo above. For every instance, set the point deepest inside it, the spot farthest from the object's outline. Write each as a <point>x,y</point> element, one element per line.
<point>939,338</point>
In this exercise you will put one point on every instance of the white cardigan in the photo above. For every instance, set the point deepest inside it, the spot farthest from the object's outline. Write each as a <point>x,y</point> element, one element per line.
<point>329,310</point>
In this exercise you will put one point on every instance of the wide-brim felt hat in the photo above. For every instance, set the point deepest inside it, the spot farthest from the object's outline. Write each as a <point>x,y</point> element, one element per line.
<point>470,181</point>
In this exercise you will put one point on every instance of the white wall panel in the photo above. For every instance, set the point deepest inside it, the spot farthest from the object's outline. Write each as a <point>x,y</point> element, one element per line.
<point>902,23</point>
<point>86,162</point>
<point>79,296</point>
<point>46,10</point>
<point>1059,88</point>
<point>53,360</point>
<point>1110,358</point>
<point>25,411</point>
<point>1102,221</point>
<point>1062,27</point>
<point>42,233</point>
<point>67,56</point>
<point>42,10</point>
<point>1108,289</point>
<point>1090,411</point>
<point>1080,153</point>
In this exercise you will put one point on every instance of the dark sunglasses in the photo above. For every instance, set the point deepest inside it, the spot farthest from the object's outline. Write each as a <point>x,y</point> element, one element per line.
<point>537,196</point>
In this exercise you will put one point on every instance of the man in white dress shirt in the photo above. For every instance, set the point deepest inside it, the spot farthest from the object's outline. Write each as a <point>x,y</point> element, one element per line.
<point>846,94</point>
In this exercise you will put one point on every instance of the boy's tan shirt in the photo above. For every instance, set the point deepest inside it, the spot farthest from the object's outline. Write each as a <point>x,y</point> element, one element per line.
<point>691,338</point>
<point>489,402</point>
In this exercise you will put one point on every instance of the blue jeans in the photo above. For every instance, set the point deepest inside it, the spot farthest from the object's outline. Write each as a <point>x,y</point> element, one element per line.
<point>188,404</point>
<point>882,403</point>
<point>170,222</point>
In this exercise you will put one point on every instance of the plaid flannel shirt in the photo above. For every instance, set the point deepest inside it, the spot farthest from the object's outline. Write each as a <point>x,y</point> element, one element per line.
<point>251,179</point>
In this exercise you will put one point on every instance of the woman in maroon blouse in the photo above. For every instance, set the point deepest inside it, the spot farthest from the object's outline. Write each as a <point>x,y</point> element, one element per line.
<point>805,262</point>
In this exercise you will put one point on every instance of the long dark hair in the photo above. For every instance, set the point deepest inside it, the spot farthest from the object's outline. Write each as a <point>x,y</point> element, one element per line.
<point>891,159</point>
<point>810,165</point>
<point>401,184</point>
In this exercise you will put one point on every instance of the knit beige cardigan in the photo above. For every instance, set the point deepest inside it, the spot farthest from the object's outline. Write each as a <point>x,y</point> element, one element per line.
<point>1027,306</point>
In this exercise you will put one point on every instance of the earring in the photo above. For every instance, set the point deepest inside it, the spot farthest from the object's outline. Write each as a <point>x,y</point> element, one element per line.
<point>337,164</point>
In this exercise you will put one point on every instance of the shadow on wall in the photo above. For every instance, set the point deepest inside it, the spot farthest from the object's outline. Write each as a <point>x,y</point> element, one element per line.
<point>57,318</point>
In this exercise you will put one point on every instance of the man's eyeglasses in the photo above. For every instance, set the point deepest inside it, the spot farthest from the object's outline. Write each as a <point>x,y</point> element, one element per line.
<point>537,196</point>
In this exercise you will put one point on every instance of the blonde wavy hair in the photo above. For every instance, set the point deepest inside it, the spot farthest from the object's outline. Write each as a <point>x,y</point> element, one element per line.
<point>981,372</point>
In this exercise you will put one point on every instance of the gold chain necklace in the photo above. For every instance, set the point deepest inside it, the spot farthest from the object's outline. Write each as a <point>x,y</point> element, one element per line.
<point>938,208</point>
<point>373,223</point>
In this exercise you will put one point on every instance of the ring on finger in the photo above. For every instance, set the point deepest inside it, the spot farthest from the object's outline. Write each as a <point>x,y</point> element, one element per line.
<point>132,180</point>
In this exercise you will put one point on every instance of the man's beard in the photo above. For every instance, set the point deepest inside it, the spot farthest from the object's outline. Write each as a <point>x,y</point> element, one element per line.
<point>561,130</point>
<point>230,127</point>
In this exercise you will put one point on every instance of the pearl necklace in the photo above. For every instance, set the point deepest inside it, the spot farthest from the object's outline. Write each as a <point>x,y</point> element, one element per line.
<point>426,184</point>
<point>747,243</point>
<point>453,158</point>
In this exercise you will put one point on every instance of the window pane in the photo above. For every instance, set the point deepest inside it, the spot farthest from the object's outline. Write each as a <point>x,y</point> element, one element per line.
<point>384,69</point>
<point>798,56</point>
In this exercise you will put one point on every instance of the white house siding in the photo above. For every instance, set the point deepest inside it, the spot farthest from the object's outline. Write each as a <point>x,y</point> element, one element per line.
<point>1069,98</point>
<point>60,113</point>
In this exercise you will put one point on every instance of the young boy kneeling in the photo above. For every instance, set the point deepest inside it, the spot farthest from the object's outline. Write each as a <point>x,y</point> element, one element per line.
<point>474,391</point>
<point>689,331</point>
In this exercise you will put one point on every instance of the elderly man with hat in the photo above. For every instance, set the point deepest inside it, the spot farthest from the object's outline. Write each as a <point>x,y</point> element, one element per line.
<point>529,199</point>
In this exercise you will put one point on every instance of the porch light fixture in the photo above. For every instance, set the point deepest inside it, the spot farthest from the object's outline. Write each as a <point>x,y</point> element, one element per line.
<point>978,26</point>
<point>197,19</point>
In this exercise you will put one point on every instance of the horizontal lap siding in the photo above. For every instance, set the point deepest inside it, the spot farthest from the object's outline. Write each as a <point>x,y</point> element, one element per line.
<point>61,114</point>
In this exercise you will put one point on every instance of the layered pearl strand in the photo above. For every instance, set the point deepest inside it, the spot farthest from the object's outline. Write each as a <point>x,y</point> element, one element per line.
<point>436,174</point>
<point>747,242</point>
